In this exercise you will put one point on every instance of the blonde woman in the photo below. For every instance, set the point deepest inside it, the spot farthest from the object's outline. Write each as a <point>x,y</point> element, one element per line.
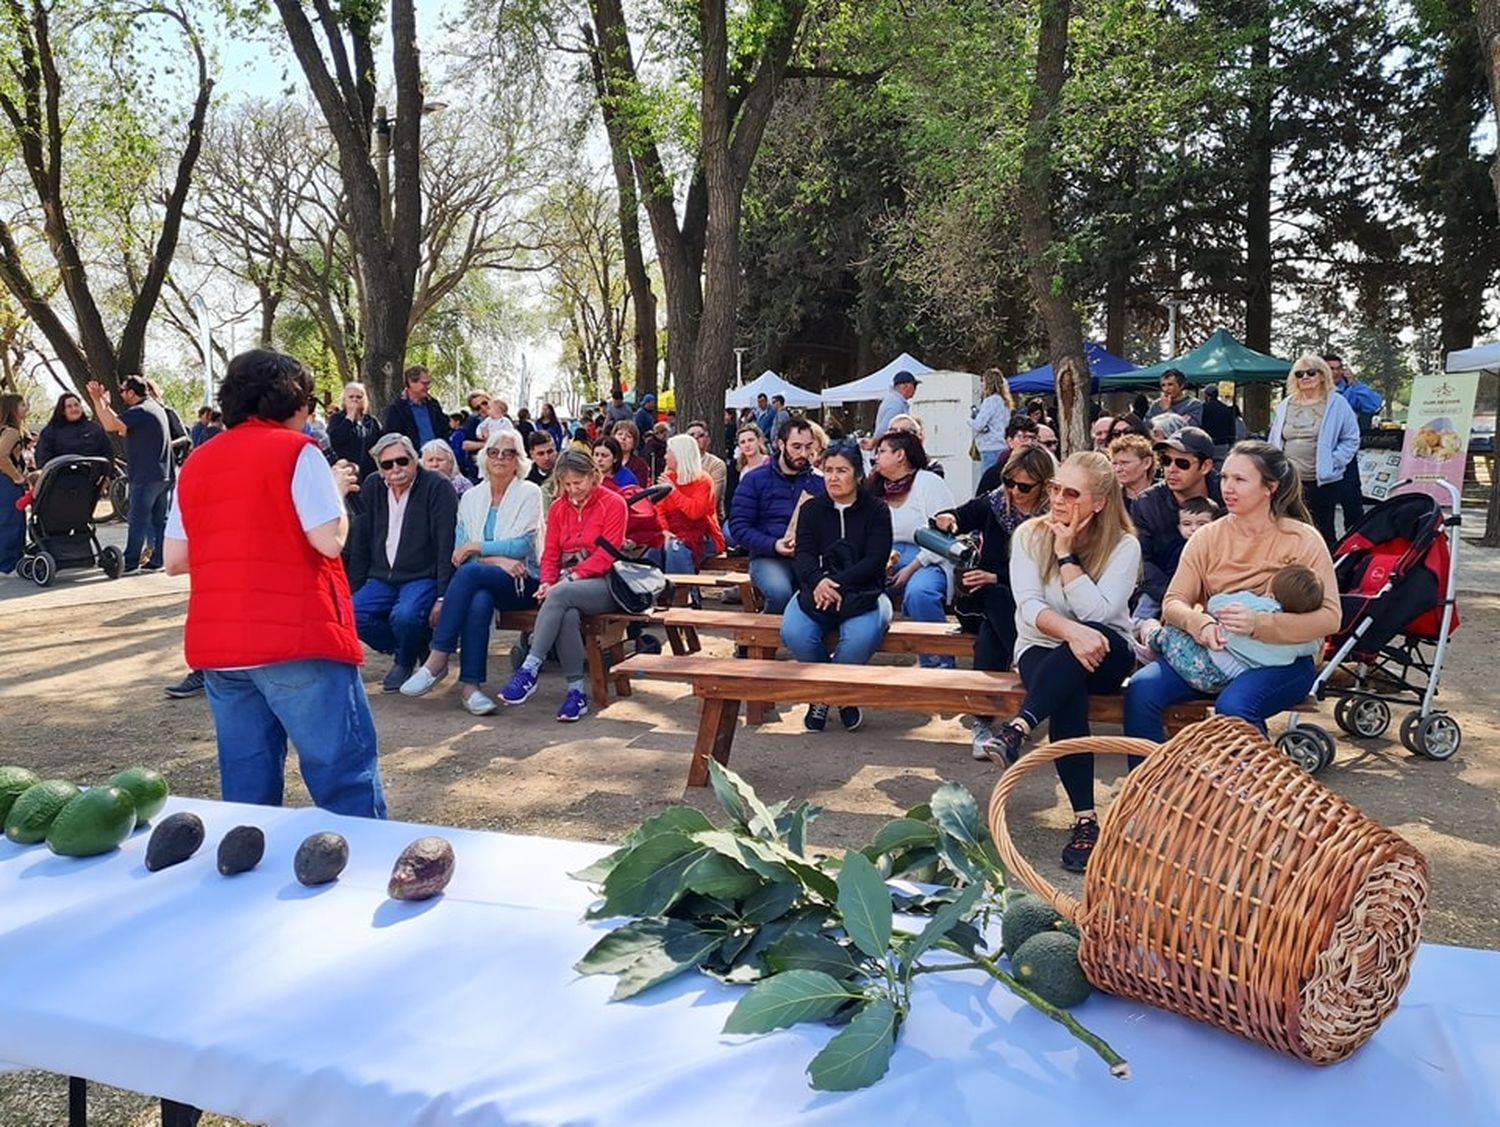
<point>1317,430</point>
<point>1134,461</point>
<point>993,416</point>
<point>352,430</point>
<point>1072,573</point>
<point>820,444</point>
<point>689,513</point>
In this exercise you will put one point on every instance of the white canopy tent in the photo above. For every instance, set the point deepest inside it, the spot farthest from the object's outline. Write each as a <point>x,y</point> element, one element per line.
<point>877,383</point>
<point>1483,358</point>
<point>768,383</point>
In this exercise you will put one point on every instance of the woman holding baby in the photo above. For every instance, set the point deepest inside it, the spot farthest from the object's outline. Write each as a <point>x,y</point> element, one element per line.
<point>1224,625</point>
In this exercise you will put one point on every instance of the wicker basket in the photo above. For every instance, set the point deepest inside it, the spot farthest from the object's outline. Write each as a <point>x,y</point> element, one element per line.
<point>1230,887</point>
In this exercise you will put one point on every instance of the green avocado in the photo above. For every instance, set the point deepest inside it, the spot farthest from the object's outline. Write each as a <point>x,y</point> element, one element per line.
<point>14,781</point>
<point>31,815</point>
<point>147,787</point>
<point>1048,964</point>
<point>1024,917</point>
<point>95,822</point>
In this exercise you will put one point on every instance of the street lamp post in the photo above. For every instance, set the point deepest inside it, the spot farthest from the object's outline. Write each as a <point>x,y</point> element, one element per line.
<point>1173,304</point>
<point>739,367</point>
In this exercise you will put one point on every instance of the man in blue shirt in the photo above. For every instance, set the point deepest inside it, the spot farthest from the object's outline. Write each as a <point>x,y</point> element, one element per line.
<point>1366,402</point>
<point>148,457</point>
<point>416,414</point>
<point>903,388</point>
<point>765,417</point>
<point>645,415</point>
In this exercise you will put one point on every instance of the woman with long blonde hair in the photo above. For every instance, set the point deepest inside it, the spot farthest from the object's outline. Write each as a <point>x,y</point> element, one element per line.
<point>1318,431</point>
<point>13,439</point>
<point>993,416</point>
<point>1072,573</point>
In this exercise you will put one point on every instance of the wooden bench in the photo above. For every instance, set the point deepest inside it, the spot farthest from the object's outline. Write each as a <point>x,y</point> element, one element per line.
<point>683,585</point>
<point>722,683</point>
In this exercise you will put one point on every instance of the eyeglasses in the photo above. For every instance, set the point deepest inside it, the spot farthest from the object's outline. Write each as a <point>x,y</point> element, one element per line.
<point>1067,492</point>
<point>403,460</point>
<point>1049,443</point>
<point>1180,463</point>
<point>1024,488</point>
<point>1307,373</point>
<point>1119,432</point>
<point>503,455</point>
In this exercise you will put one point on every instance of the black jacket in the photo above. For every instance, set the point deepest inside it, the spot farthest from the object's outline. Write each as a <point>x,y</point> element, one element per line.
<point>351,439</point>
<point>400,420</point>
<point>851,547</point>
<point>1155,515</point>
<point>1218,421</point>
<point>977,515</point>
<point>426,547</point>
<point>85,438</point>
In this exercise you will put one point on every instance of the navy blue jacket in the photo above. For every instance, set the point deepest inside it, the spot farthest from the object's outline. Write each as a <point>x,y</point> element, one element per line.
<point>1155,515</point>
<point>763,505</point>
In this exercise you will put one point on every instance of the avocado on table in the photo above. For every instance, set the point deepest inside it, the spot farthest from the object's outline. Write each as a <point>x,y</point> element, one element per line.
<point>95,822</point>
<point>241,850</point>
<point>321,858</point>
<point>32,813</point>
<point>175,839</point>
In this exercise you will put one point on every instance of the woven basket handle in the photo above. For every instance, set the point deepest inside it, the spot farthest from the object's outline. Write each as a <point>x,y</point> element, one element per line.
<point>1067,906</point>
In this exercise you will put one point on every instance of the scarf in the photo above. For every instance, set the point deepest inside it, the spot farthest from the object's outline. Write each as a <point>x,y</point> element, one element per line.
<point>898,488</point>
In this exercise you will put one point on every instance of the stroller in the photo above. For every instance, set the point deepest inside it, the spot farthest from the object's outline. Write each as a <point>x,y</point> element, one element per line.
<point>60,526</point>
<point>1397,571</point>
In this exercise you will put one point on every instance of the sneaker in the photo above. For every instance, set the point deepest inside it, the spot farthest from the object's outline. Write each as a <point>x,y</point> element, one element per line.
<point>189,686</point>
<point>519,688</point>
<point>982,736</point>
<point>1075,855</point>
<point>575,706</point>
<point>1004,744</point>
<point>422,682</point>
<point>817,717</point>
<point>648,644</point>
<point>479,705</point>
<point>850,717</point>
<point>152,567</point>
<point>396,678</point>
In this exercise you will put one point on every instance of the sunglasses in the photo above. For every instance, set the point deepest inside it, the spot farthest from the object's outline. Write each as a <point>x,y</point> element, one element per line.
<point>1180,463</point>
<point>1024,488</point>
<point>503,455</point>
<point>1307,374</point>
<point>403,460</point>
<point>482,405</point>
<point>1067,492</point>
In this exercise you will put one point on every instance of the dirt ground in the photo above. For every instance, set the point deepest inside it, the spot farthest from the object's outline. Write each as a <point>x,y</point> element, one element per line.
<point>82,698</point>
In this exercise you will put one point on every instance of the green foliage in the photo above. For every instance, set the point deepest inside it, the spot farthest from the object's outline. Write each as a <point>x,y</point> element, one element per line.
<point>748,906</point>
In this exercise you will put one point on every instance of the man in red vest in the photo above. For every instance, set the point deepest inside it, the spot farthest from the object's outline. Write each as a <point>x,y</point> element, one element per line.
<point>258,524</point>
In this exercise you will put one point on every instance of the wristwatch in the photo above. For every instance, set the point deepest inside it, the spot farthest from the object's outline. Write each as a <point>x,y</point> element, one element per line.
<point>1070,558</point>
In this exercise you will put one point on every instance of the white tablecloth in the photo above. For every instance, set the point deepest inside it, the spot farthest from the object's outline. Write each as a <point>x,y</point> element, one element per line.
<point>258,998</point>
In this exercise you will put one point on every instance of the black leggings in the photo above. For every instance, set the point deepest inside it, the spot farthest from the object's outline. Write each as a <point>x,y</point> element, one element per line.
<point>1322,503</point>
<point>1058,689</point>
<point>996,643</point>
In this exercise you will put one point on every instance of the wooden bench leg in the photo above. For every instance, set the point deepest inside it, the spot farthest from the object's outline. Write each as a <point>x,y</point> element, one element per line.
<point>683,640</point>
<point>756,711</point>
<point>622,680</point>
<point>716,720</point>
<point>598,679</point>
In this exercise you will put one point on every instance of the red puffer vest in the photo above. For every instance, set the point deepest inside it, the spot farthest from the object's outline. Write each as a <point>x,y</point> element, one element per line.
<point>261,594</point>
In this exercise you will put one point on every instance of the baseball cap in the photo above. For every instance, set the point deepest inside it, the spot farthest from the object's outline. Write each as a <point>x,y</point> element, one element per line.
<point>905,377</point>
<point>1190,440</point>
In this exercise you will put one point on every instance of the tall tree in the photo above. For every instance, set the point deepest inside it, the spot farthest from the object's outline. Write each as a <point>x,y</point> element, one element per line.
<point>86,150</point>
<point>1487,18</point>
<point>384,201</point>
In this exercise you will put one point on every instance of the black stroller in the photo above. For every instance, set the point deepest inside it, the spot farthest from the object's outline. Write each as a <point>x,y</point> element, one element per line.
<point>1397,571</point>
<point>60,525</point>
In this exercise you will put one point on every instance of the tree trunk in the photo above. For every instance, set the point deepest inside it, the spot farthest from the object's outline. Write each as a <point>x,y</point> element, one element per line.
<point>1487,14</point>
<point>1258,191</point>
<point>1049,289</point>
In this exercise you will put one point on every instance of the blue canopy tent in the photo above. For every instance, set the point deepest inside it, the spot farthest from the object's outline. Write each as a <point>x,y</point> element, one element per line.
<point>1040,381</point>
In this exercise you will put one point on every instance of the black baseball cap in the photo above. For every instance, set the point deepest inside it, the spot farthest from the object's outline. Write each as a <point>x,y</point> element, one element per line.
<point>905,377</point>
<point>1190,440</point>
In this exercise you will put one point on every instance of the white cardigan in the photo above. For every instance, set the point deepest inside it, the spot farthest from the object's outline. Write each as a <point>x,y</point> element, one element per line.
<point>520,514</point>
<point>929,495</point>
<point>1105,600</point>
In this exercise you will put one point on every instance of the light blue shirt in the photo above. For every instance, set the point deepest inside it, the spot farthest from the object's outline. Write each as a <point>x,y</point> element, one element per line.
<point>1253,653</point>
<point>892,405</point>
<point>1338,436</point>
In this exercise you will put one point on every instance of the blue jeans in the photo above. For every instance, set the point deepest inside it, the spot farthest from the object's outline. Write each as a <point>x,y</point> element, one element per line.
<point>988,458</point>
<point>393,619</point>
<point>321,706</point>
<point>859,637</point>
<point>1253,695</point>
<point>772,576</point>
<point>148,513</point>
<point>12,525</point>
<point>922,600</point>
<point>682,560</point>
<point>474,594</point>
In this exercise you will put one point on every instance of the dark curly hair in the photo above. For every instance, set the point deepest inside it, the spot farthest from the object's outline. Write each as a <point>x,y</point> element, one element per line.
<point>261,384</point>
<point>59,416</point>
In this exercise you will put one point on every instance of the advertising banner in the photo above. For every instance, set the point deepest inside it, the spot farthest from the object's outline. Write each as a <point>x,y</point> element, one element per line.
<point>1436,444</point>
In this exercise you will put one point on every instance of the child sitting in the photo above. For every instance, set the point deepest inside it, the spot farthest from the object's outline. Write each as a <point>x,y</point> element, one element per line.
<point>1195,513</point>
<point>1296,589</point>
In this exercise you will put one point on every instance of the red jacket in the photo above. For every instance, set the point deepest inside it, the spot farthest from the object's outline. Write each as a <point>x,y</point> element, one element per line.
<point>689,513</point>
<point>572,531</point>
<point>261,594</point>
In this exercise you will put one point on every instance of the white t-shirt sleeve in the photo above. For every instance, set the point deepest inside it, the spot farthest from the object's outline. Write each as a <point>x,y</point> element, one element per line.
<point>314,493</point>
<point>175,531</point>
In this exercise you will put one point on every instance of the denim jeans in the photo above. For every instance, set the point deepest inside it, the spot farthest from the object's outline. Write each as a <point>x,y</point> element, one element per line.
<point>988,458</point>
<point>148,514</point>
<point>774,579</point>
<point>12,525</point>
<point>474,594</point>
<point>321,706</point>
<point>682,560</point>
<point>393,619</point>
<point>923,598</point>
<point>1253,695</point>
<point>859,637</point>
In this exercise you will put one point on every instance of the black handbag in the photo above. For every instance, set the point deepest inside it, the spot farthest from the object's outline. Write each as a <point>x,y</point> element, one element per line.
<point>635,584</point>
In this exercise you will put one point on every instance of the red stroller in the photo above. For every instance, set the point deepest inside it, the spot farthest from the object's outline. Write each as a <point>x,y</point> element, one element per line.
<point>1397,571</point>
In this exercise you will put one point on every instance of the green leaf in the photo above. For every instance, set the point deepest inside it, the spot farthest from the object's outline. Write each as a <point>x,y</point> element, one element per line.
<point>678,819</point>
<point>650,877</point>
<point>715,875</point>
<point>796,831</point>
<point>785,999</point>
<point>864,903</point>
<point>740,802</point>
<point>944,920</point>
<point>681,951</point>
<point>860,1053</point>
<point>812,952</point>
<point>626,944</point>
<point>770,902</point>
<point>903,833</point>
<point>810,873</point>
<point>955,811</point>
<point>757,856</point>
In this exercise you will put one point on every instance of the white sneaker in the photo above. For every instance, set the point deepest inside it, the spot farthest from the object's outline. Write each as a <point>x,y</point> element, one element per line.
<point>480,705</point>
<point>420,683</point>
<point>983,734</point>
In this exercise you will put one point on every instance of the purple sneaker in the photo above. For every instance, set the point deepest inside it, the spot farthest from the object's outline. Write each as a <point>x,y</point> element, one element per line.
<point>520,687</point>
<point>575,706</point>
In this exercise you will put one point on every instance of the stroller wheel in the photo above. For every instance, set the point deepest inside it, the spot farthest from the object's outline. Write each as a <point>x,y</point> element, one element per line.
<point>1438,737</point>
<point>1326,744</point>
<point>112,562</point>
<point>43,569</point>
<point>1409,732</point>
<point>1303,748</point>
<point>23,567</point>
<point>1367,717</point>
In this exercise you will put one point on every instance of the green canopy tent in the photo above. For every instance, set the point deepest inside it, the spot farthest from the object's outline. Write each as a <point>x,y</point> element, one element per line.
<point>1220,357</point>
